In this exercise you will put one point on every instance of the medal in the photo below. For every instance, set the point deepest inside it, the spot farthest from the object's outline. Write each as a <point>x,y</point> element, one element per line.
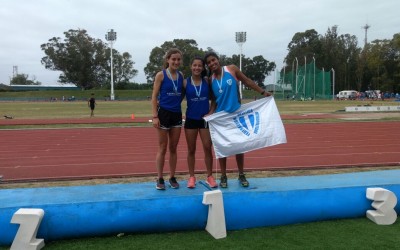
<point>198,92</point>
<point>173,82</point>
<point>220,83</point>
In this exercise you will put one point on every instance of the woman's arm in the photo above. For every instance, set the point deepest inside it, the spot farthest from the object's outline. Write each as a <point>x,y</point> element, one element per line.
<point>154,96</point>
<point>247,81</point>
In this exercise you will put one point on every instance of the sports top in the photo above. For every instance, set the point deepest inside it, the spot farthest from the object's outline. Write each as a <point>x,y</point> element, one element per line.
<point>170,98</point>
<point>197,98</point>
<point>226,92</point>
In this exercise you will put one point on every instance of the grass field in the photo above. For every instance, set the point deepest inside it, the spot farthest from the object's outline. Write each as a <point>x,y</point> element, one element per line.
<point>357,233</point>
<point>348,234</point>
<point>79,109</point>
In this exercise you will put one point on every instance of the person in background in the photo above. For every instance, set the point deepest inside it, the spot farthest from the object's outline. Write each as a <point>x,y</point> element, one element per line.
<point>92,104</point>
<point>225,90</point>
<point>197,93</point>
<point>167,114</point>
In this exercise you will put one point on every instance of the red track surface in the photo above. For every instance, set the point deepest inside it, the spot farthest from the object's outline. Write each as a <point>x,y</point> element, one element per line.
<point>47,154</point>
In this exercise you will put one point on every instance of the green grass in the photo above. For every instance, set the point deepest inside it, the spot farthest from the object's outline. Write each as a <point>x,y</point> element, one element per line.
<point>76,109</point>
<point>359,233</point>
<point>78,94</point>
<point>79,109</point>
<point>136,102</point>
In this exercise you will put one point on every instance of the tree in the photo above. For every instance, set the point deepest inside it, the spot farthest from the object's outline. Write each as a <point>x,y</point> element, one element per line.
<point>341,52</point>
<point>304,44</point>
<point>375,66</point>
<point>382,63</point>
<point>84,61</point>
<point>350,52</point>
<point>156,59</point>
<point>22,79</point>
<point>256,69</point>
<point>330,51</point>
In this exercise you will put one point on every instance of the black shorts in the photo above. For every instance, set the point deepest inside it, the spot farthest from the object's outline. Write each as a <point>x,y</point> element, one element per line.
<point>195,124</point>
<point>169,119</point>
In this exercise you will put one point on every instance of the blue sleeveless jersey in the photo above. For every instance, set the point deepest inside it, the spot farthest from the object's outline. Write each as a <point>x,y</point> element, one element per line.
<point>228,100</point>
<point>168,98</point>
<point>197,106</point>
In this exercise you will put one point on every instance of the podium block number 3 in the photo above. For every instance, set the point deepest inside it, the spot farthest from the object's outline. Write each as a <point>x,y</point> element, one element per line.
<point>384,203</point>
<point>29,220</point>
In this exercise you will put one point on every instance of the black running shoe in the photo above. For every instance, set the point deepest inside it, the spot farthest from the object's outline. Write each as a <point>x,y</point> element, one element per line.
<point>173,183</point>
<point>160,184</point>
<point>224,181</point>
<point>243,181</point>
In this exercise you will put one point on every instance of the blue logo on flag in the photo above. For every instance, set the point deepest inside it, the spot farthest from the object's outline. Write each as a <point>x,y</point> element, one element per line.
<point>248,122</point>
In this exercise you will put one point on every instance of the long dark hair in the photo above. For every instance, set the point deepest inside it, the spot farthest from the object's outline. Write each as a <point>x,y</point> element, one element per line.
<point>204,72</point>
<point>207,55</point>
<point>210,53</point>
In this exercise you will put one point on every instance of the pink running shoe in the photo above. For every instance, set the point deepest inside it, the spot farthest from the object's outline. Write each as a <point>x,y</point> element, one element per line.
<point>211,182</point>
<point>191,182</point>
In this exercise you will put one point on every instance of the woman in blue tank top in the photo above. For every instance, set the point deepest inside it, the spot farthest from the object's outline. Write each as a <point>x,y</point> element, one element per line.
<point>167,114</point>
<point>197,95</point>
<point>225,90</point>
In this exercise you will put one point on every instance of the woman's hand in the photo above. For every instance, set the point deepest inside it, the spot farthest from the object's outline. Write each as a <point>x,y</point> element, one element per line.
<point>156,122</point>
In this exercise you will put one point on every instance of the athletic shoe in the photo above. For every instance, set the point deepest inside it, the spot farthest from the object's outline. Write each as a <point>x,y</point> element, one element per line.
<point>243,181</point>
<point>211,182</point>
<point>191,182</point>
<point>224,181</point>
<point>173,183</point>
<point>160,184</point>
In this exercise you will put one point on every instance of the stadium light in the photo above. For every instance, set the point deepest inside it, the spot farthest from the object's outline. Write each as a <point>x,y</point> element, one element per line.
<point>323,81</point>
<point>305,73</point>
<point>111,36</point>
<point>240,40</point>
<point>297,67</point>
<point>333,84</point>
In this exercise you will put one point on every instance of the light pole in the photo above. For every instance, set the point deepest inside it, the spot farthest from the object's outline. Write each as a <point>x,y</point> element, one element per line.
<point>323,82</point>
<point>297,67</point>
<point>333,85</point>
<point>240,40</point>
<point>314,76</point>
<point>283,78</point>
<point>345,73</point>
<point>111,36</point>
<point>305,73</point>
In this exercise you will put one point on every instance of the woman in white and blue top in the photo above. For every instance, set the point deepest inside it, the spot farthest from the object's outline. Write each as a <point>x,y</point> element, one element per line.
<point>197,93</point>
<point>226,97</point>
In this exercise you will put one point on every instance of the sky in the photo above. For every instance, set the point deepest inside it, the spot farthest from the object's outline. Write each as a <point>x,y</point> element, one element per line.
<point>142,25</point>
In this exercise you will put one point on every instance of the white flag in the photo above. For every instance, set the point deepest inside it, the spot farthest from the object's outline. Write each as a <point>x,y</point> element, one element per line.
<point>253,126</point>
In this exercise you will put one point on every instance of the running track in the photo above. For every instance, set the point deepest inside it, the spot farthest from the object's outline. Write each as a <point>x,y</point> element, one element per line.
<point>57,154</point>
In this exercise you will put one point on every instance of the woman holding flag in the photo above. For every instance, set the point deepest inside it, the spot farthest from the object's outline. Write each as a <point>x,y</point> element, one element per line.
<point>225,89</point>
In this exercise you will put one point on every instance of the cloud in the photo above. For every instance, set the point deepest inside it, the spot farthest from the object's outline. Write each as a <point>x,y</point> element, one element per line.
<point>143,25</point>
